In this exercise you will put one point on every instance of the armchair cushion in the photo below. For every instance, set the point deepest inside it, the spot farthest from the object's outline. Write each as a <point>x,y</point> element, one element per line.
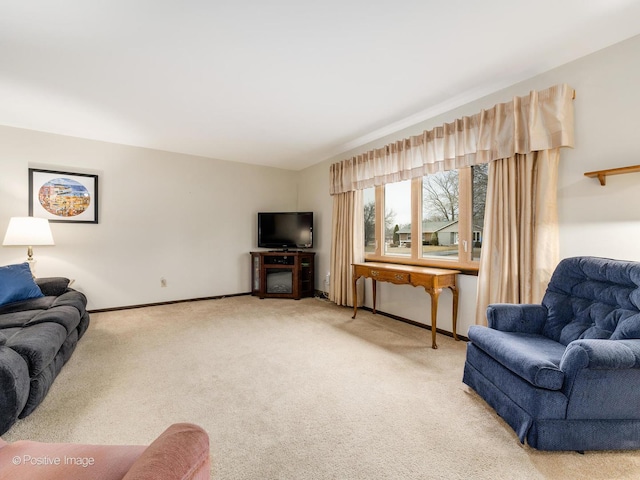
<point>591,297</point>
<point>516,318</point>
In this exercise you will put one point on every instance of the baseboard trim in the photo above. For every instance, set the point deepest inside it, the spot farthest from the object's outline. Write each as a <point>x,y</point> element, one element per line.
<point>413,322</point>
<point>170,302</point>
<point>319,293</point>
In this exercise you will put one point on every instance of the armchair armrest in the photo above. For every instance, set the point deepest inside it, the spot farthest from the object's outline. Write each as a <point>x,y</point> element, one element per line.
<point>601,378</point>
<point>522,318</point>
<point>181,452</point>
<point>601,355</point>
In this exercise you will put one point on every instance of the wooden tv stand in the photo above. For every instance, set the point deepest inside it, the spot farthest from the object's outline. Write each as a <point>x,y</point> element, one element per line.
<point>282,274</point>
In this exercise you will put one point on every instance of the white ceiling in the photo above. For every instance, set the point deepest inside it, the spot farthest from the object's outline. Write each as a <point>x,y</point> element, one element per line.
<point>286,83</point>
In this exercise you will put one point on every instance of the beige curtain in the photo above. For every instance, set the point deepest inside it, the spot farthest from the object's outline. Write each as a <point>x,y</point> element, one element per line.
<point>520,139</point>
<point>347,246</point>
<point>540,121</point>
<point>520,240</point>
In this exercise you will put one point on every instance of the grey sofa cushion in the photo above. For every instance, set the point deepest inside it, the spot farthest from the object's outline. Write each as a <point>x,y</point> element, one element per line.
<point>38,344</point>
<point>41,303</point>
<point>53,286</point>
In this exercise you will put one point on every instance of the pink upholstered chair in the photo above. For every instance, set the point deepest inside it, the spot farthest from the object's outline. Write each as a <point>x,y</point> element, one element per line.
<point>181,452</point>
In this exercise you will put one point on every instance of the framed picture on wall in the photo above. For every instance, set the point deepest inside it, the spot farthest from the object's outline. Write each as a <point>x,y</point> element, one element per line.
<point>63,197</point>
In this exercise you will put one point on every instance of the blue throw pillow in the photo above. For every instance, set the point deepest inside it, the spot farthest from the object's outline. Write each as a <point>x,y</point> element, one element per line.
<point>16,283</point>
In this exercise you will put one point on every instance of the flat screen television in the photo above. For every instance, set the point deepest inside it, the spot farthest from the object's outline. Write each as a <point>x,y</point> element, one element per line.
<point>285,230</point>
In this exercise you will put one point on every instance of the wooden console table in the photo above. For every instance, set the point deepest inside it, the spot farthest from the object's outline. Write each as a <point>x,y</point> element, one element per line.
<point>432,279</point>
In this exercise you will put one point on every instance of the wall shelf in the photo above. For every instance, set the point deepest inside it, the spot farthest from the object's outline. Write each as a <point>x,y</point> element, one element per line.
<point>602,174</point>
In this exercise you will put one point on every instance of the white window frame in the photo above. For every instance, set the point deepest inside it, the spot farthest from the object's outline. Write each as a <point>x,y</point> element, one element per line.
<point>464,261</point>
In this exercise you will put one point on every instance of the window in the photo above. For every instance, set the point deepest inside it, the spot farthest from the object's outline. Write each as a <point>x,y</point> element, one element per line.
<point>479,198</point>
<point>440,215</point>
<point>369,200</point>
<point>434,220</point>
<point>397,219</point>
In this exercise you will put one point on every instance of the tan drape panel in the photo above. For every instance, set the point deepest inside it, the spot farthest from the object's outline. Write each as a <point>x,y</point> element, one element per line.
<point>540,121</point>
<point>520,240</point>
<point>347,246</point>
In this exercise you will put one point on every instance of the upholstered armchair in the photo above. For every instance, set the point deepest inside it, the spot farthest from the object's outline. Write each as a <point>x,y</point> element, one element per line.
<point>181,452</point>
<point>565,375</point>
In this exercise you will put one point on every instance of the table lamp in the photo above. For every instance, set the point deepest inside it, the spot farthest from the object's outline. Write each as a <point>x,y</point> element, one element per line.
<point>27,232</point>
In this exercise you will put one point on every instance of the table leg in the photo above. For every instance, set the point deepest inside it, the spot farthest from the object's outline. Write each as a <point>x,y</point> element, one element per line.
<point>455,311</point>
<point>434,294</point>
<point>355,296</point>
<point>373,280</point>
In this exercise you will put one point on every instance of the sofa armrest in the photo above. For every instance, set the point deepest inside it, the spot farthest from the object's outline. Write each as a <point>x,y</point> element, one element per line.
<point>14,386</point>
<point>522,318</point>
<point>53,286</point>
<point>181,452</point>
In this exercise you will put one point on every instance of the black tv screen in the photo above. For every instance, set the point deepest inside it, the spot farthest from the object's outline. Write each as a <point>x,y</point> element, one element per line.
<point>285,230</point>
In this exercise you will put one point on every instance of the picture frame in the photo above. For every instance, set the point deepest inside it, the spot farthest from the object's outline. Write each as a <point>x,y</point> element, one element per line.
<point>63,197</point>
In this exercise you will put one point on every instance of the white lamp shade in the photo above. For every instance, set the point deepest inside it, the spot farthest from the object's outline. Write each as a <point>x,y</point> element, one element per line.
<point>28,231</point>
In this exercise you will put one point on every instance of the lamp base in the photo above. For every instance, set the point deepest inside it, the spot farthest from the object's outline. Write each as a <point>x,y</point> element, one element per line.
<point>32,266</point>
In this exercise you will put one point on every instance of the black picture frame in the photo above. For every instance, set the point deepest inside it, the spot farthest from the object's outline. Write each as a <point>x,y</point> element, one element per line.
<point>63,197</point>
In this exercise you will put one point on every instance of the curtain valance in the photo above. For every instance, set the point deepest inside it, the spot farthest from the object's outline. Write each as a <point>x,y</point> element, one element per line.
<point>540,121</point>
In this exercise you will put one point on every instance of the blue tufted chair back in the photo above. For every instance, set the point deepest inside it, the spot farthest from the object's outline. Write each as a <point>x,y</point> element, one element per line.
<point>591,297</point>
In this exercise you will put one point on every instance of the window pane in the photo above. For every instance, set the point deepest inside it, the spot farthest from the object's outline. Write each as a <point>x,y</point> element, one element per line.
<point>397,218</point>
<point>369,201</point>
<point>479,196</point>
<point>440,213</point>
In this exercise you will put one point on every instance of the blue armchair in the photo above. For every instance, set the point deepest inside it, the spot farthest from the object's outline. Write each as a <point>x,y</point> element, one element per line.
<point>565,375</point>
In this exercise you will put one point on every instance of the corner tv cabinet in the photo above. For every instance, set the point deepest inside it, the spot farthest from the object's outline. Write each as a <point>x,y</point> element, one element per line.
<point>282,274</point>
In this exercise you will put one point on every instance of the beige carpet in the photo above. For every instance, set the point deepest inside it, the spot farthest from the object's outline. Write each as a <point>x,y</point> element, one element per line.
<point>293,390</point>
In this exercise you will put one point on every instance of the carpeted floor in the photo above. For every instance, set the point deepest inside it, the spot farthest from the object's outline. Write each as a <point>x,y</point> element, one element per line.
<point>293,390</point>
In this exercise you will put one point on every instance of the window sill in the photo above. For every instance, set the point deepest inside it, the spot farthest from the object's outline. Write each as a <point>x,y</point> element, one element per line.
<point>465,268</point>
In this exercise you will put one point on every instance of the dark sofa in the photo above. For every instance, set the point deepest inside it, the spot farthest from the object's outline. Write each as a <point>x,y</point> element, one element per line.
<point>565,375</point>
<point>38,334</point>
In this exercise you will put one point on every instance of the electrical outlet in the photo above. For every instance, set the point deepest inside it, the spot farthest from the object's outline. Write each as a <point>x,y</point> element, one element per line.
<point>163,282</point>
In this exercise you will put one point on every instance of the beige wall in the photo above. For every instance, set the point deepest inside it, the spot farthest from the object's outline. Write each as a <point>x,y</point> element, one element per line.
<point>192,220</point>
<point>188,219</point>
<point>594,220</point>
